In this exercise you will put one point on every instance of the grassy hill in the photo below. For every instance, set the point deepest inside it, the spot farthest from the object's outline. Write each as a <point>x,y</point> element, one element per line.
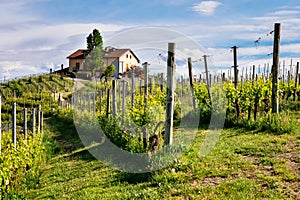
<point>243,165</point>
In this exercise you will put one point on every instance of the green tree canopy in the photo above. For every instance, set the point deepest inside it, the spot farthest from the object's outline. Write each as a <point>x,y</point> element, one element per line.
<point>94,40</point>
<point>94,61</point>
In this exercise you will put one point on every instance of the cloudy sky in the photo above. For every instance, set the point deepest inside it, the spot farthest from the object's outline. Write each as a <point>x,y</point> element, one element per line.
<point>37,35</point>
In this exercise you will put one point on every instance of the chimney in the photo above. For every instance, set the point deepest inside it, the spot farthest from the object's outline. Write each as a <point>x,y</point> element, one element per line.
<point>62,70</point>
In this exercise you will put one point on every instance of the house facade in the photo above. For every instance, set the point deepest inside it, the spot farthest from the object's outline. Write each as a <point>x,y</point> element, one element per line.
<point>122,59</point>
<point>76,60</point>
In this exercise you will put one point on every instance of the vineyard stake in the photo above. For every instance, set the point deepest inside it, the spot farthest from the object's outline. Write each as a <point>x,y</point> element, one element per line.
<point>114,101</point>
<point>276,50</point>
<point>190,66</point>
<point>296,81</point>
<point>171,69</point>
<point>14,128</point>
<point>132,88</point>
<point>162,82</point>
<point>123,101</point>
<point>206,72</point>
<point>235,66</point>
<point>108,103</point>
<point>141,83</point>
<point>33,121</point>
<point>39,119</point>
<point>145,130</point>
<point>151,85</point>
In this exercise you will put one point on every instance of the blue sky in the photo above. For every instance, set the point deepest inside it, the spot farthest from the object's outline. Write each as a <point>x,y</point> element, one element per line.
<point>37,35</point>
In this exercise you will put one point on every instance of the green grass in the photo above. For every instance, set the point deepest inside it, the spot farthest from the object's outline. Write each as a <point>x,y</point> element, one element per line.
<point>243,165</point>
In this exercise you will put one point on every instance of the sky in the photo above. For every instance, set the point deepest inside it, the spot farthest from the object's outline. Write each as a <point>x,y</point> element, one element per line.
<point>36,35</point>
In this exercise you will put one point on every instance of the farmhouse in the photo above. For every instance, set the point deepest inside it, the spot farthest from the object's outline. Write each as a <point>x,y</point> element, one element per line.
<point>122,59</point>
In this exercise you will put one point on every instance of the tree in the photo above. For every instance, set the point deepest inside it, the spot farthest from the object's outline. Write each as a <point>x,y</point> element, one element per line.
<point>97,38</point>
<point>94,40</point>
<point>90,43</point>
<point>109,71</point>
<point>94,60</point>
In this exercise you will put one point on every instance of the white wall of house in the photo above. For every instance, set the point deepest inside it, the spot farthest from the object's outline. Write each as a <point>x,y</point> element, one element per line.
<point>128,60</point>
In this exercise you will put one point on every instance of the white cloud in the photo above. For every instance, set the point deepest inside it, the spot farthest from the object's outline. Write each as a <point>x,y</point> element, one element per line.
<point>207,7</point>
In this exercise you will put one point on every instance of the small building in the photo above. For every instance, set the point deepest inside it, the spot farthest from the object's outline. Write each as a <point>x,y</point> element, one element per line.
<point>122,59</point>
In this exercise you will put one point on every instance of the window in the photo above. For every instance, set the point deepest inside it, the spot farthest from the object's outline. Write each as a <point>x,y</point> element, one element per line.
<point>77,67</point>
<point>126,55</point>
<point>130,56</point>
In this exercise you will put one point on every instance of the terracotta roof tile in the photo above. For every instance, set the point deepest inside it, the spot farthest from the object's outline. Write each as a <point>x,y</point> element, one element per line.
<point>80,53</point>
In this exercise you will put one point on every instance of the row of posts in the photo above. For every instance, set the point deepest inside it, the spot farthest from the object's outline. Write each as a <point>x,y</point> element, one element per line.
<point>36,120</point>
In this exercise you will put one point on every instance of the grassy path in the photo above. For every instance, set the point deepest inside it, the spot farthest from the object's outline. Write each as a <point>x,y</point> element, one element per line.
<point>243,165</point>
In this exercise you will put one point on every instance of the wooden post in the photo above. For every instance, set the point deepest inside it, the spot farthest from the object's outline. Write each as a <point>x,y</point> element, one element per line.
<point>25,123</point>
<point>223,77</point>
<point>114,101</point>
<point>162,82</point>
<point>145,130</point>
<point>94,103</point>
<point>253,73</point>
<point>132,88</point>
<point>206,72</point>
<point>151,85</point>
<point>171,69</point>
<point>42,121</point>
<point>296,82</point>
<point>235,66</point>
<point>89,101</point>
<point>141,81</point>
<point>33,121</point>
<point>190,66</point>
<point>39,119</point>
<point>14,128</point>
<point>276,50</point>
<point>145,85</point>
<point>108,103</point>
<point>100,101</point>
<point>123,101</point>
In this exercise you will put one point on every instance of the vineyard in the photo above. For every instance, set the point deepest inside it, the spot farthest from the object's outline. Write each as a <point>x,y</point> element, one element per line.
<point>136,114</point>
<point>22,150</point>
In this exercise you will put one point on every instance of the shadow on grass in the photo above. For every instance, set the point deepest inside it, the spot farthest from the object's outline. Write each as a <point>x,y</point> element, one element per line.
<point>64,139</point>
<point>133,178</point>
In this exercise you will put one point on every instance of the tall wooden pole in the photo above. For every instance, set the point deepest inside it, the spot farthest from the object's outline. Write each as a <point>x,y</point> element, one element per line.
<point>145,131</point>
<point>123,101</point>
<point>108,103</point>
<point>132,88</point>
<point>162,82</point>
<point>207,76</point>
<point>33,121</point>
<point>39,119</point>
<point>114,100</point>
<point>14,128</point>
<point>276,50</point>
<point>296,80</point>
<point>145,85</point>
<point>190,66</point>
<point>171,69</point>
<point>25,123</point>
<point>235,66</point>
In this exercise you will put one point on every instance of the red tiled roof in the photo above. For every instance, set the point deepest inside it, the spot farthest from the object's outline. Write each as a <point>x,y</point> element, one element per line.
<point>118,53</point>
<point>80,53</point>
